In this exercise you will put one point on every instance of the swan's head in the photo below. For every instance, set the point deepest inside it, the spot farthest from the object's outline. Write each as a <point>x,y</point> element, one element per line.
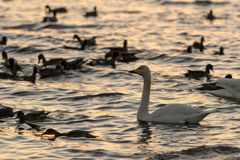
<point>142,70</point>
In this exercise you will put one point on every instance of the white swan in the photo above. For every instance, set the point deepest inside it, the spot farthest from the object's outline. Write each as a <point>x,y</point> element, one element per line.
<point>231,88</point>
<point>171,113</point>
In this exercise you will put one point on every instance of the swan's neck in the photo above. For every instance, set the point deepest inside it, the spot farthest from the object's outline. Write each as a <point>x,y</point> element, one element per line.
<point>143,109</point>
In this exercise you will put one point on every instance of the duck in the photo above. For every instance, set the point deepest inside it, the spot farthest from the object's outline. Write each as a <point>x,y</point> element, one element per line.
<point>213,85</point>
<point>6,59</point>
<point>53,61</point>
<point>221,52</point>
<point>210,16</point>
<point>188,50</point>
<point>124,56</point>
<point>89,42</point>
<point>170,113</point>
<point>32,116</point>
<point>73,133</point>
<point>92,14</point>
<point>76,64</point>
<point>12,65</point>
<point>51,19</point>
<point>50,72</point>
<point>31,78</point>
<point>4,41</point>
<point>105,62</point>
<point>83,45</point>
<point>199,74</point>
<point>231,88</point>
<point>57,10</point>
<point>199,45</point>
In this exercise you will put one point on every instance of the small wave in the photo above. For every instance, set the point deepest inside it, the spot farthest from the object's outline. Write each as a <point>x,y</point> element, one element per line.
<point>101,95</point>
<point>202,152</point>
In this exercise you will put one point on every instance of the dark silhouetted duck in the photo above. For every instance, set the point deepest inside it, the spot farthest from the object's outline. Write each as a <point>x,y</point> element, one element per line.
<point>32,116</point>
<point>57,10</point>
<point>92,14</point>
<point>123,56</point>
<point>4,41</point>
<point>74,133</point>
<point>210,16</point>
<point>31,78</point>
<point>4,75</point>
<point>76,64</point>
<point>51,72</point>
<point>221,52</point>
<point>105,62</point>
<point>89,42</point>
<point>53,61</point>
<point>188,50</point>
<point>199,45</point>
<point>213,86</point>
<point>83,45</point>
<point>12,65</point>
<point>6,59</point>
<point>199,74</point>
<point>51,19</point>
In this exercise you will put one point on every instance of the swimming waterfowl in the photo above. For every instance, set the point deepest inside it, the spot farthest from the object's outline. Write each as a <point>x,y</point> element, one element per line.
<point>57,10</point>
<point>32,116</point>
<point>199,45</point>
<point>213,85</point>
<point>51,19</point>
<point>76,64</point>
<point>170,113</point>
<point>188,50</point>
<point>90,41</point>
<point>105,62</point>
<point>50,72</point>
<point>83,45</point>
<point>53,61</point>
<point>31,78</point>
<point>199,74</point>
<point>6,60</point>
<point>12,65</point>
<point>92,14</point>
<point>210,16</point>
<point>73,133</point>
<point>221,52</point>
<point>4,41</point>
<point>231,88</point>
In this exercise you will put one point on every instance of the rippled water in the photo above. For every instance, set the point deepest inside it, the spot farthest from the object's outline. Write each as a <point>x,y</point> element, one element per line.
<point>105,100</point>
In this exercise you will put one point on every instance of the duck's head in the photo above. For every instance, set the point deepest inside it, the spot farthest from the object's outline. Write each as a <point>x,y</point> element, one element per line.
<point>95,9</point>
<point>64,62</point>
<point>52,131</point>
<point>202,39</point>
<point>189,49</point>
<point>125,43</point>
<point>228,76</point>
<point>4,55</point>
<point>76,37</point>
<point>48,7</point>
<point>221,49</point>
<point>40,56</point>
<point>209,67</point>
<point>20,114</point>
<point>143,70</point>
<point>4,40</point>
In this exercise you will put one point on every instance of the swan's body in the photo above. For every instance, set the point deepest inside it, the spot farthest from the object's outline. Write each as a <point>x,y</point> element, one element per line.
<point>231,88</point>
<point>171,113</point>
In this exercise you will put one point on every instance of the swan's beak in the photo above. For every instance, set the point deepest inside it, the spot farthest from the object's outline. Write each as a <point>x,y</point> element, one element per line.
<point>133,71</point>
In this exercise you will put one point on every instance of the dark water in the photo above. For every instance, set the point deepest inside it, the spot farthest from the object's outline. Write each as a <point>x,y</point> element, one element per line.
<point>105,100</point>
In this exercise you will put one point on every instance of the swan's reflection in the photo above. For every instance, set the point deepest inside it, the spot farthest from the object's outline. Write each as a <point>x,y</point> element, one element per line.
<point>146,132</point>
